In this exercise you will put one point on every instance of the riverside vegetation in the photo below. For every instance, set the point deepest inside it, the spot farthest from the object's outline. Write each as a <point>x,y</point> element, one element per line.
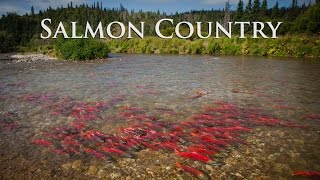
<point>299,33</point>
<point>288,46</point>
<point>75,49</point>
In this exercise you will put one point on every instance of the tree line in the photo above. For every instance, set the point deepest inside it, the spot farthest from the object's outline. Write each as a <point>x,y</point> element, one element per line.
<point>19,30</point>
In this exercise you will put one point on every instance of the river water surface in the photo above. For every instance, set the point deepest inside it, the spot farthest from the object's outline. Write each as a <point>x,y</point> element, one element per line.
<point>150,116</point>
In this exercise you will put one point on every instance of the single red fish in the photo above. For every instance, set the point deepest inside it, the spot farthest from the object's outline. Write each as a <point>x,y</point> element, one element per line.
<point>93,152</point>
<point>312,116</point>
<point>204,116</point>
<point>117,152</point>
<point>195,156</point>
<point>42,142</point>
<point>92,109</point>
<point>56,113</point>
<point>73,150</point>
<point>201,150</point>
<point>211,147</point>
<point>198,93</point>
<point>88,135</point>
<point>122,147</point>
<point>132,144</point>
<point>140,117</point>
<point>307,173</point>
<point>177,128</point>
<point>131,108</point>
<point>196,172</point>
<point>239,128</point>
<point>140,86</point>
<point>208,139</point>
<point>71,142</point>
<point>58,151</point>
<point>292,125</point>
<point>114,151</point>
<point>77,126</point>
<point>150,146</point>
<point>127,114</point>
<point>168,146</point>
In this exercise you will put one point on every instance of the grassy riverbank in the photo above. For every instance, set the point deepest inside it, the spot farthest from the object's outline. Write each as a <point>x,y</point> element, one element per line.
<point>288,46</point>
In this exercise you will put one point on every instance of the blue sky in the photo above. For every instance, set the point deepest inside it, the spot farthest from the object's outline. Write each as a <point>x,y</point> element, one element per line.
<point>169,6</point>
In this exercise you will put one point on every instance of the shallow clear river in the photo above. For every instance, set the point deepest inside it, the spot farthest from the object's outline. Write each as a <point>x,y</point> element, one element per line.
<point>152,116</point>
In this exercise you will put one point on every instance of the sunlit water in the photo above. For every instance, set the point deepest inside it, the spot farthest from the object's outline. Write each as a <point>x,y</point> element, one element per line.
<point>37,97</point>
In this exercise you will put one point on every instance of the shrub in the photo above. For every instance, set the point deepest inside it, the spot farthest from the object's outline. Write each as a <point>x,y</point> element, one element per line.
<point>81,49</point>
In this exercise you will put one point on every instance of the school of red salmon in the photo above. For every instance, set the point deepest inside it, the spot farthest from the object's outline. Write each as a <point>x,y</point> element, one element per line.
<point>199,137</point>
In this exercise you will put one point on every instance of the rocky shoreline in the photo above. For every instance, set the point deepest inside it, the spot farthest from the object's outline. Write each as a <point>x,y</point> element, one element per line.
<point>15,57</point>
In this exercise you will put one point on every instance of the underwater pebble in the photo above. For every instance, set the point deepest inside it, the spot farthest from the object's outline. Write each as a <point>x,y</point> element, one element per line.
<point>280,168</point>
<point>66,166</point>
<point>299,141</point>
<point>180,177</point>
<point>255,162</point>
<point>209,168</point>
<point>102,173</point>
<point>115,175</point>
<point>239,175</point>
<point>76,164</point>
<point>92,171</point>
<point>151,173</point>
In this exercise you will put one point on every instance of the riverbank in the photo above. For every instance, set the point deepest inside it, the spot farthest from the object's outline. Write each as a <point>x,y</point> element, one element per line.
<point>288,46</point>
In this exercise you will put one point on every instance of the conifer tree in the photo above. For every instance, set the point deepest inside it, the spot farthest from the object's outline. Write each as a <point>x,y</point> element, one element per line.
<point>227,14</point>
<point>294,4</point>
<point>264,7</point>
<point>256,7</point>
<point>32,11</point>
<point>239,13</point>
<point>249,8</point>
<point>276,10</point>
<point>294,10</point>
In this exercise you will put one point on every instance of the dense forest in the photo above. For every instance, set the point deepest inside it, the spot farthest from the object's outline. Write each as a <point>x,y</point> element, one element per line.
<point>21,30</point>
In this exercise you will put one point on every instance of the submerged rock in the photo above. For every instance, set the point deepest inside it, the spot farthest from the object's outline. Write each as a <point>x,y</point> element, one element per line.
<point>76,164</point>
<point>66,166</point>
<point>102,173</point>
<point>92,171</point>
